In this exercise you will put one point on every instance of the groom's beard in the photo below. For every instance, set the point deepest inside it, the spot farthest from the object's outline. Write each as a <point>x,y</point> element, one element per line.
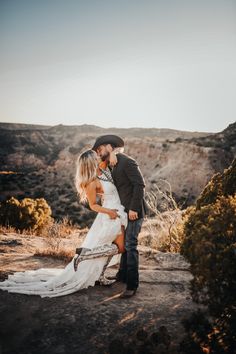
<point>105,157</point>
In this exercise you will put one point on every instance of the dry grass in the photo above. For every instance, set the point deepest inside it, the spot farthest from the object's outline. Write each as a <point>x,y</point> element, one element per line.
<point>54,234</point>
<point>164,231</point>
<point>63,227</point>
<point>8,230</point>
<point>65,255</point>
<point>60,239</point>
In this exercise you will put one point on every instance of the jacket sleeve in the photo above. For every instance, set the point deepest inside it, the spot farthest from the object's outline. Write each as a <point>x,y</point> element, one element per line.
<point>134,174</point>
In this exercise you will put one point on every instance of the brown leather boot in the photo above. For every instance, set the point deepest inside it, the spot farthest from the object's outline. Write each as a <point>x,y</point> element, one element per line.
<point>127,293</point>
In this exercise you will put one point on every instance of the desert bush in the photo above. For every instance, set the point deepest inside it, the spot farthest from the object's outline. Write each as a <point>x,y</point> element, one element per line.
<point>40,150</point>
<point>209,245</point>
<point>54,237</point>
<point>220,184</point>
<point>163,231</point>
<point>54,233</point>
<point>166,228</point>
<point>27,214</point>
<point>66,226</point>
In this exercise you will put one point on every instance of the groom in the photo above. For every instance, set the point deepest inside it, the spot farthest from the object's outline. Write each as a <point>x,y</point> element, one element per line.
<point>130,184</point>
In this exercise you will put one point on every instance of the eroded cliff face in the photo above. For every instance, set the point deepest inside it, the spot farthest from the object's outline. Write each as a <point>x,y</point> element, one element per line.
<point>186,166</point>
<point>43,162</point>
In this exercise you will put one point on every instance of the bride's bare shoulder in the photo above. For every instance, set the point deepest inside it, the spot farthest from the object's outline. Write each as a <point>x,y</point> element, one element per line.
<point>92,185</point>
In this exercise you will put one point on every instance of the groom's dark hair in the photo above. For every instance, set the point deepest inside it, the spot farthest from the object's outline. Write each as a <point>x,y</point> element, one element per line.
<point>113,146</point>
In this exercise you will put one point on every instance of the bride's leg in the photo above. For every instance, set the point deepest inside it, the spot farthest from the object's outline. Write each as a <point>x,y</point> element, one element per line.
<point>96,252</point>
<point>120,240</point>
<point>120,243</point>
<point>101,251</point>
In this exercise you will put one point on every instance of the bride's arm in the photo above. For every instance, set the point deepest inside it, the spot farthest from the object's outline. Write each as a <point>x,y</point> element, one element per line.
<point>113,159</point>
<point>91,195</point>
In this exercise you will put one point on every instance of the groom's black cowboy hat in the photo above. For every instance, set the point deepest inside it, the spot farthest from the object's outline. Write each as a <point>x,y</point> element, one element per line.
<point>108,139</point>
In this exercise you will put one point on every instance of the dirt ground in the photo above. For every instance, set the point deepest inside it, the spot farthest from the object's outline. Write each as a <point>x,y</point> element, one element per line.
<point>95,320</point>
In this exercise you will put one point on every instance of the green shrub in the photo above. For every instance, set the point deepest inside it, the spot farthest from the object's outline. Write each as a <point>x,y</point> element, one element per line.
<point>220,184</point>
<point>209,244</point>
<point>25,214</point>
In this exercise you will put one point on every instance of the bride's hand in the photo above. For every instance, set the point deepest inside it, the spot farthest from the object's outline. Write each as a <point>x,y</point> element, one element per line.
<point>103,164</point>
<point>113,214</point>
<point>113,158</point>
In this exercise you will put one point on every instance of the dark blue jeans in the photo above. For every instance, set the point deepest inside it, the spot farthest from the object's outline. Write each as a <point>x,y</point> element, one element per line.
<point>129,263</point>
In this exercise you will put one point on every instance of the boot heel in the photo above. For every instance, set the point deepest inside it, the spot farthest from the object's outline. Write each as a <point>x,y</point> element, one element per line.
<point>79,258</point>
<point>78,250</point>
<point>105,282</point>
<point>76,262</point>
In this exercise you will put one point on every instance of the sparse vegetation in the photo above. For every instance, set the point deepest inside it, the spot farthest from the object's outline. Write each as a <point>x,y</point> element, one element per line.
<point>45,158</point>
<point>224,140</point>
<point>40,150</point>
<point>64,255</point>
<point>166,228</point>
<point>55,231</point>
<point>10,229</point>
<point>65,226</point>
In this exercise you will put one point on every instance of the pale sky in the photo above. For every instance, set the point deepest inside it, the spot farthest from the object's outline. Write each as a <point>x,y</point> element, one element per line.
<point>126,63</point>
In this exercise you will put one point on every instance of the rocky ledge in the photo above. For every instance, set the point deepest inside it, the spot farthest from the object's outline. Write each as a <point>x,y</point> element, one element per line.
<point>96,320</point>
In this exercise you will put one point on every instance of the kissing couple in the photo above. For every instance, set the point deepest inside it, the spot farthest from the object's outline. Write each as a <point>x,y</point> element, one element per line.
<point>103,172</point>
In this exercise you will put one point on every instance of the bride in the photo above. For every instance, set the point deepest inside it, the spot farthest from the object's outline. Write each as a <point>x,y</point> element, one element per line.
<point>101,247</point>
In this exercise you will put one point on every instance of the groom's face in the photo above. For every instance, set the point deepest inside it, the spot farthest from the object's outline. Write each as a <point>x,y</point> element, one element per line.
<point>103,152</point>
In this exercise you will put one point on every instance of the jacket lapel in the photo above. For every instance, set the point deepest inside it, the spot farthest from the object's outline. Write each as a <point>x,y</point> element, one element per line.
<point>114,169</point>
<point>112,172</point>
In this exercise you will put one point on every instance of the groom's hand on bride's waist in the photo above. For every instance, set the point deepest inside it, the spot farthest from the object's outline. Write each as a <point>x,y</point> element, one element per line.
<point>133,215</point>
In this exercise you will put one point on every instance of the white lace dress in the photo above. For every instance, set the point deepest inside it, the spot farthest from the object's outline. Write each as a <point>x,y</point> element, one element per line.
<point>53,282</point>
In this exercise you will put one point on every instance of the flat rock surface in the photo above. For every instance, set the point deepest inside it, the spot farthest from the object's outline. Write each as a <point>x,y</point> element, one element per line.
<point>94,320</point>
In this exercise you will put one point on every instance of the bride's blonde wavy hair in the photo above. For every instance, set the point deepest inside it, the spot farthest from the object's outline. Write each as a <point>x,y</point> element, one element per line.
<point>86,172</point>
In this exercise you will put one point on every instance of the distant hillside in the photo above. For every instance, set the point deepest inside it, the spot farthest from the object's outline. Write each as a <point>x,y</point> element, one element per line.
<point>39,161</point>
<point>224,140</point>
<point>22,126</point>
<point>86,128</point>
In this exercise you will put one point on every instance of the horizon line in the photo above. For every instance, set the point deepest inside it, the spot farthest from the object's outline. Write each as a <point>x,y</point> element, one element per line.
<point>113,127</point>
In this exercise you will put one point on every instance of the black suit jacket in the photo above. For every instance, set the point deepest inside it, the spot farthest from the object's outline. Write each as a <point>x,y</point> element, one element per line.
<point>130,184</point>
